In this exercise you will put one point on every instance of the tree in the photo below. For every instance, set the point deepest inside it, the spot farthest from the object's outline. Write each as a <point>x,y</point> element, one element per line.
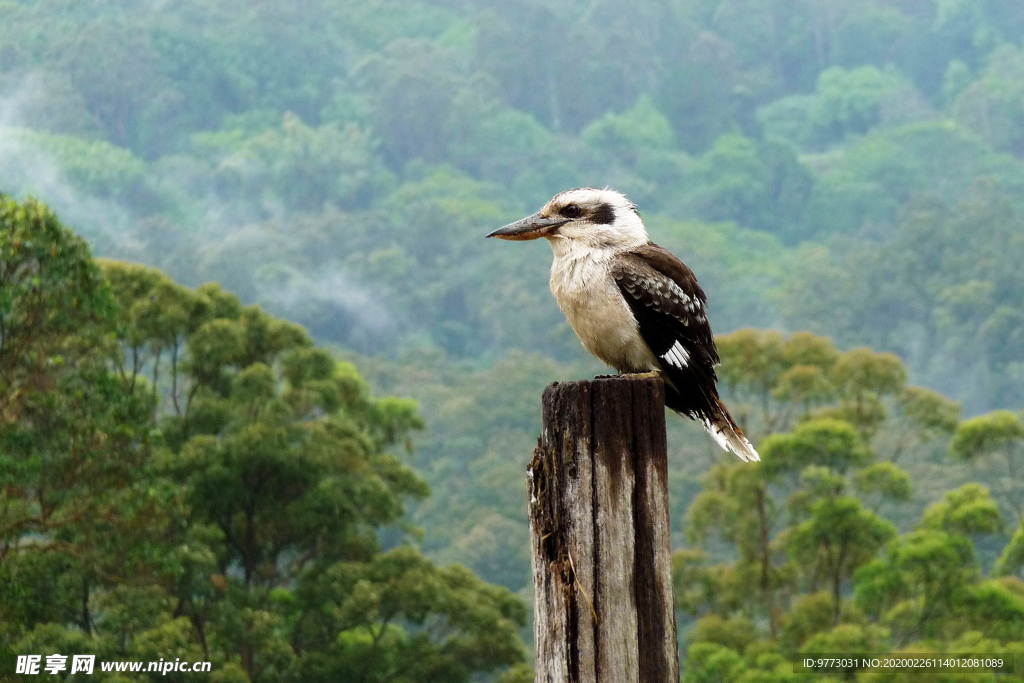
<point>400,617</point>
<point>72,434</point>
<point>760,185</point>
<point>296,166</point>
<point>845,103</point>
<point>961,319</point>
<point>794,524</point>
<point>993,106</point>
<point>416,83</point>
<point>83,513</point>
<point>635,151</point>
<point>736,502</point>
<point>805,375</point>
<point>839,536</point>
<point>997,437</point>
<point>926,574</point>
<point>189,478</point>
<point>283,457</point>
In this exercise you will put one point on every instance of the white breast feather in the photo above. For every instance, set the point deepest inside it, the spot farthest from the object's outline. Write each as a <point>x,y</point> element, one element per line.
<point>586,292</point>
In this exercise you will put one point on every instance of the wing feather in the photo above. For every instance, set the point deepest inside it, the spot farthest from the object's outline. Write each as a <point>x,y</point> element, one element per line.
<point>670,309</point>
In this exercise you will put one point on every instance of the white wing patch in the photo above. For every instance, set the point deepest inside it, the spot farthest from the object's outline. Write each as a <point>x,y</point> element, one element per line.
<point>677,356</point>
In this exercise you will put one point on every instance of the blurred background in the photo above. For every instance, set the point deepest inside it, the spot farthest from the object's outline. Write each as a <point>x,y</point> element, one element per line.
<point>845,178</point>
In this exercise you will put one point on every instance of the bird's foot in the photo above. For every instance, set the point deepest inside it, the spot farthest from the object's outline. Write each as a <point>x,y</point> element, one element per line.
<point>632,375</point>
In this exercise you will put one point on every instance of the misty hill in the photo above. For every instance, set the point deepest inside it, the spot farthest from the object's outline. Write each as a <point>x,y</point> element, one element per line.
<point>853,169</point>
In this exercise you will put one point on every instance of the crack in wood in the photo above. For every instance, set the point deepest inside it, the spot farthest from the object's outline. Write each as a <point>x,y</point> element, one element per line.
<point>600,535</point>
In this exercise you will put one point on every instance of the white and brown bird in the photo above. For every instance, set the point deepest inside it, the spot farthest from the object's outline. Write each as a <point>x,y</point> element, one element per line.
<point>632,303</point>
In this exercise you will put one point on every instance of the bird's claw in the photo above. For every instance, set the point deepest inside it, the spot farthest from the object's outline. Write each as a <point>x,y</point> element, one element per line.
<point>642,375</point>
<point>631,375</point>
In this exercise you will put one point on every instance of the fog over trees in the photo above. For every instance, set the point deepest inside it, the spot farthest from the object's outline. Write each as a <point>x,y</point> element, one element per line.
<point>267,395</point>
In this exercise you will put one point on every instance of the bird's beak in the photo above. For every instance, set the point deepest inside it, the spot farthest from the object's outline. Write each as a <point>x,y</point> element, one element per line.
<point>530,228</point>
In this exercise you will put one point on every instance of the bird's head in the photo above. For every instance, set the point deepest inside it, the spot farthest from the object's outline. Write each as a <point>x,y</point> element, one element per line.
<point>584,217</point>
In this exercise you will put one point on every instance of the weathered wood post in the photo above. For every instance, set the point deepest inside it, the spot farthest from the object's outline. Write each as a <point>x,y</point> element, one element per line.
<point>602,565</point>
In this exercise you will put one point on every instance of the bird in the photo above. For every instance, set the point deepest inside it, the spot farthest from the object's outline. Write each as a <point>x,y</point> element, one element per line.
<point>632,303</point>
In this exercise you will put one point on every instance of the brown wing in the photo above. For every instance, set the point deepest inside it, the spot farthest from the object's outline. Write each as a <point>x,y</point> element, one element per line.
<point>670,309</point>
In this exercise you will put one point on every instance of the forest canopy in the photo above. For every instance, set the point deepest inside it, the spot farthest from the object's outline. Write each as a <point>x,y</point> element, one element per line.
<point>308,185</point>
<point>187,477</point>
<point>339,162</point>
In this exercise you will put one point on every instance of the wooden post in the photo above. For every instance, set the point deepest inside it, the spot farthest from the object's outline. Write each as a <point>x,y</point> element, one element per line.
<point>602,564</point>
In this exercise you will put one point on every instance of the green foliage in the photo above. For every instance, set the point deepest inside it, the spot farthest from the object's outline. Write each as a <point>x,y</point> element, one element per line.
<point>95,167</point>
<point>966,511</point>
<point>778,381</point>
<point>401,615</point>
<point>785,558</point>
<point>916,588</point>
<point>886,479</point>
<point>71,434</point>
<point>993,105</point>
<point>186,477</point>
<point>845,103</point>
<point>851,169</point>
<point>930,412</point>
<point>271,149</point>
<point>839,536</point>
<point>811,614</point>
<point>640,128</point>
<point>1011,561</point>
<point>996,439</point>
<point>760,184</point>
<point>963,297</point>
<point>296,166</point>
<point>825,442</point>
<point>996,432</point>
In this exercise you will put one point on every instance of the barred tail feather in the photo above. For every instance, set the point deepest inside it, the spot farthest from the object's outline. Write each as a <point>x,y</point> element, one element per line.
<point>729,436</point>
<point>712,413</point>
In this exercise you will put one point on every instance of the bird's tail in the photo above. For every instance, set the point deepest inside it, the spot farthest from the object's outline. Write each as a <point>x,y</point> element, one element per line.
<point>708,409</point>
<point>729,436</point>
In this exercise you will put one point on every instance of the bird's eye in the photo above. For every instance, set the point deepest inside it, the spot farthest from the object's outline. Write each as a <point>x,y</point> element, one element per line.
<point>572,211</point>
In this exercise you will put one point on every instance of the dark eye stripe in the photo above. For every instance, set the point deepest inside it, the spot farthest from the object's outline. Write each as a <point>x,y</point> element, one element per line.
<point>603,214</point>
